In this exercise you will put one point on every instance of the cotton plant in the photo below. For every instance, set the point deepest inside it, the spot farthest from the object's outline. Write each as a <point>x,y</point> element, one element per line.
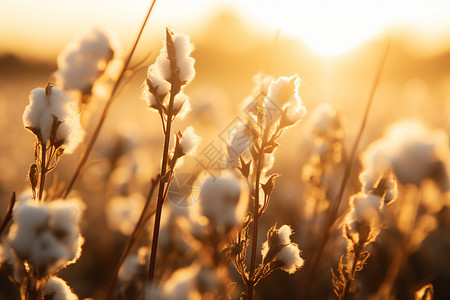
<point>54,119</point>
<point>163,92</point>
<point>274,106</point>
<point>418,159</point>
<point>324,136</point>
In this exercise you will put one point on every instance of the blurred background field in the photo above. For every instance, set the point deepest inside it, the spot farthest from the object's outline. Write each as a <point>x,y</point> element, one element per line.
<point>233,43</point>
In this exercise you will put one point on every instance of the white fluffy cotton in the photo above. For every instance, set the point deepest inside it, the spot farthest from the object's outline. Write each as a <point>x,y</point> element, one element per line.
<point>47,234</point>
<point>185,63</point>
<point>283,95</point>
<point>57,289</point>
<point>290,258</point>
<point>41,110</point>
<point>413,152</point>
<point>284,234</point>
<point>157,86</point>
<point>221,200</point>
<point>83,60</point>
<point>189,140</point>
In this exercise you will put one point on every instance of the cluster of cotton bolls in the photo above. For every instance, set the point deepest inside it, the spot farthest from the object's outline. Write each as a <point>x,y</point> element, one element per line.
<point>173,69</point>
<point>223,200</point>
<point>46,235</point>
<point>415,157</point>
<point>85,59</point>
<point>54,118</point>
<point>412,152</point>
<point>279,252</point>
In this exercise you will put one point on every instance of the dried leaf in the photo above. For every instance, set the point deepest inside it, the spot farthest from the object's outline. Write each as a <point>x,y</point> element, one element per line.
<point>244,167</point>
<point>271,147</point>
<point>33,176</point>
<point>270,184</point>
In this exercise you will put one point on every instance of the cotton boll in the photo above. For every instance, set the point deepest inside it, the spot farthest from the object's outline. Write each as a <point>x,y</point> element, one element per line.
<point>289,257</point>
<point>57,289</point>
<point>181,105</point>
<point>363,222</point>
<point>292,113</point>
<point>282,89</point>
<point>71,133</point>
<point>221,201</point>
<point>189,140</point>
<point>60,103</point>
<point>183,50</point>
<point>412,152</point>
<point>65,215</point>
<point>46,253</point>
<point>49,103</point>
<point>47,234</point>
<point>28,219</point>
<point>161,85</point>
<point>84,60</point>
<point>33,112</point>
<point>365,208</point>
<point>162,65</point>
<point>284,234</point>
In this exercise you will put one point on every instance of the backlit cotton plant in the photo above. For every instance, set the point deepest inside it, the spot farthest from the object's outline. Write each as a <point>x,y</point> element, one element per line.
<point>419,159</point>
<point>324,134</point>
<point>55,121</point>
<point>163,91</point>
<point>274,107</point>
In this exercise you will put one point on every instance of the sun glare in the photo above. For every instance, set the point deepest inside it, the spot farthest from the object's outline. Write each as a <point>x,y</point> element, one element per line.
<point>331,28</point>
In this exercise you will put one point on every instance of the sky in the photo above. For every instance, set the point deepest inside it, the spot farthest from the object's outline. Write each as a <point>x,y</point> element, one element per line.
<point>39,29</point>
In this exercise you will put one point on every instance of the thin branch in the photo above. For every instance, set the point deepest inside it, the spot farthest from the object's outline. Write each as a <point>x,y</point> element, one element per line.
<point>259,163</point>
<point>175,88</point>
<point>9,212</point>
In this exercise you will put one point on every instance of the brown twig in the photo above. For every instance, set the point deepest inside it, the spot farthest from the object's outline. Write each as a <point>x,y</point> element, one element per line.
<point>9,212</point>
<point>107,108</point>
<point>260,162</point>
